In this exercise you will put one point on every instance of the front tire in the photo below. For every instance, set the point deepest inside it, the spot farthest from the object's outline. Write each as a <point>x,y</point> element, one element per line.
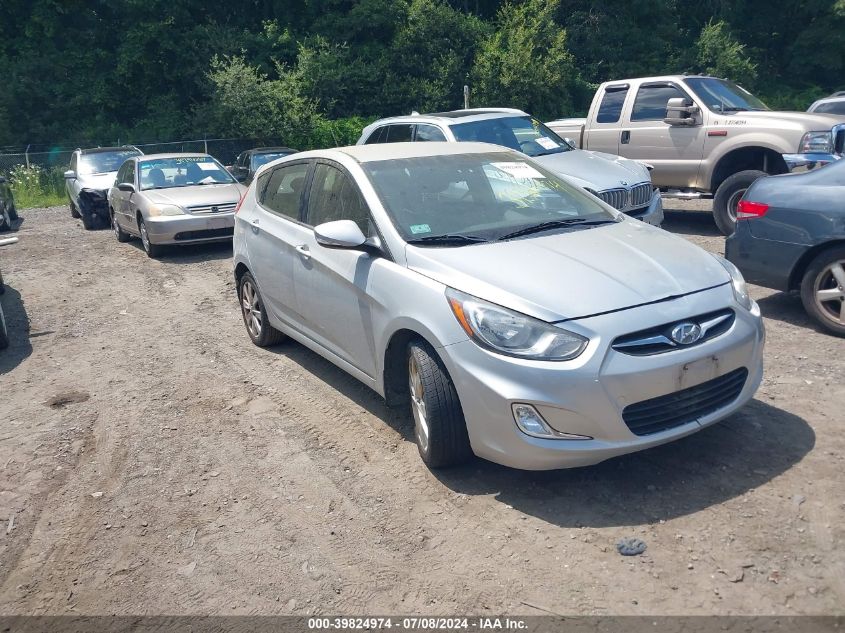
<point>74,212</point>
<point>152,250</point>
<point>823,290</point>
<point>439,424</point>
<point>727,198</point>
<point>261,333</point>
<point>4,333</point>
<point>119,233</point>
<point>13,212</point>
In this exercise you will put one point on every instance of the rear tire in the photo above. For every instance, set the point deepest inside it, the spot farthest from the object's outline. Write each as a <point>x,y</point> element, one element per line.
<point>439,424</point>
<point>728,196</point>
<point>120,234</point>
<point>823,290</point>
<point>261,333</point>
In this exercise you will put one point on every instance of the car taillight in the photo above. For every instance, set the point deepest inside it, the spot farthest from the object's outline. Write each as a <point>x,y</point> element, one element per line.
<point>240,202</point>
<point>747,209</point>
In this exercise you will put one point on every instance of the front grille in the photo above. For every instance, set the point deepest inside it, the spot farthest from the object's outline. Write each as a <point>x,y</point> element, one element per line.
<point>839,139</point>
<point>204,234</point>
<point>658,339</point>
<point>681,407</point>
<point>622,199</point>
<point>226,207</point>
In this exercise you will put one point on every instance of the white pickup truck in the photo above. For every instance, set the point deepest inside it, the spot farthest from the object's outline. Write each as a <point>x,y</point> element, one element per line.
<point>704,137</point>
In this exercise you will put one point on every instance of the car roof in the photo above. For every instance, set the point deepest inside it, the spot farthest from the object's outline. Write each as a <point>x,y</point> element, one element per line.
<point>399,151</point>
<point>175,155</point>
<point>100,150</point>
<point>477,114</point>
<point>262,150</point>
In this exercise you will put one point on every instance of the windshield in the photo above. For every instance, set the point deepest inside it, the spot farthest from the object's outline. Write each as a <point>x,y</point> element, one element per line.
<point>721,95</point>
<point>831,107</point>
<point>480,197</point>
<point>522,133</point>
<point>103,162</point>
<point>262,159</point>
<point>182,171</point>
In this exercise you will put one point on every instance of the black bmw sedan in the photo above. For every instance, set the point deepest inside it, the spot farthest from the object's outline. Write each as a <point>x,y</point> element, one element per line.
<point>790,236</point>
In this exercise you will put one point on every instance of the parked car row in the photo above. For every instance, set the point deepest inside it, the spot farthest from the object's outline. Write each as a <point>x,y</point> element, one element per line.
<point>515,292</point>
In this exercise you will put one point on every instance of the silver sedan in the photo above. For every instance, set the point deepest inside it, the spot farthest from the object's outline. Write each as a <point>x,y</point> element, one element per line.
<point>173,199</point>
<point>520,318</point>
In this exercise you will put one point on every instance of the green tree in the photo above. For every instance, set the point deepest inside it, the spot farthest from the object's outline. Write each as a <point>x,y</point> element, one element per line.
<point>525,62</point>
<point>717,52</point>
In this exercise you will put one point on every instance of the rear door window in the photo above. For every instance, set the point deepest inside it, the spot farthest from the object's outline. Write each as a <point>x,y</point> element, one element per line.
<point>650,104</point>
<point>427,132</point>
<point>399,133</point>
<point>610,109</point>
<point>377,136</point>
<point>283,191</point>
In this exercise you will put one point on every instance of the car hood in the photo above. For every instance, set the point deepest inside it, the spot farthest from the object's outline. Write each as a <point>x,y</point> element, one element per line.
<point>99,182</point>
<point>577,274</point>
<point>811,121</point>
<point>595,170</point>
<point>196,196</point>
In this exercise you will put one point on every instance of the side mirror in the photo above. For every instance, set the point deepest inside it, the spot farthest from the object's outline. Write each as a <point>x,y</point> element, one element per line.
<point>339,234</point>
<point>70,175</point>
<point>680,112</point>
<point>126,186</point>
<point>570,142</point>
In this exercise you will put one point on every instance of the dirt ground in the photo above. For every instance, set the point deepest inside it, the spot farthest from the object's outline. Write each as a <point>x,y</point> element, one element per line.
<point>153,461</point>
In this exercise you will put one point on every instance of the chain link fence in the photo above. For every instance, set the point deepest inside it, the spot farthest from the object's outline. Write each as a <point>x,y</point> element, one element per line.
<point>57,159</point>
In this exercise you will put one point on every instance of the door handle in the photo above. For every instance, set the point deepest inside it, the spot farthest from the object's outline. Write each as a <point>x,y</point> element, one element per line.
<point>626,137</point>
<point>303,251</point>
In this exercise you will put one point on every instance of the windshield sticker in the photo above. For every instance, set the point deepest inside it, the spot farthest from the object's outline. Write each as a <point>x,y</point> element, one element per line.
<point>416,229</point>
<point>207,166</point>
<point>518,170</point>
<point>546,143</point>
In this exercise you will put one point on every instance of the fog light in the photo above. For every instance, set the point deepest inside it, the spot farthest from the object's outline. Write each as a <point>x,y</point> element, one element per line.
<point>530,422</point>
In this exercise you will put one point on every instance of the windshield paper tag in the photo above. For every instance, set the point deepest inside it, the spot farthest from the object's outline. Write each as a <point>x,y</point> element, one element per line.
<point>207,166</point>
<point>546,143</point>
<point>420,228</point>
<point>518,170</point>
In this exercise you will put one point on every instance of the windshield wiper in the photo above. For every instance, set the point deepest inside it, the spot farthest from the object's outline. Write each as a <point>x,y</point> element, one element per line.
<point>452,238</point>
<point>553,224</point>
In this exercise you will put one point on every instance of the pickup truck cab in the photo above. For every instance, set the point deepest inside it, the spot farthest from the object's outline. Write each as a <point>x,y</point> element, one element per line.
<point>704,136</point>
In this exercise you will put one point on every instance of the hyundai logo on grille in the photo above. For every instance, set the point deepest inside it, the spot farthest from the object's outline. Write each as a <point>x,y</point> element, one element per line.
<point>686,333</point>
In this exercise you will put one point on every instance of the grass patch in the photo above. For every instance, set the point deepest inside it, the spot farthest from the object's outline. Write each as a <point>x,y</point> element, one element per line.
<point>37,187</point>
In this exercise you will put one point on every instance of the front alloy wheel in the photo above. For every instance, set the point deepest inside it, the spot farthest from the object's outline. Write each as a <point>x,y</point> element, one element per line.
<point>152,250</point>
<point>439,424</point>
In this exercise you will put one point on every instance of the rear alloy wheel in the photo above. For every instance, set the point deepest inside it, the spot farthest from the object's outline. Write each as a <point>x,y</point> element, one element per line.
<point>727,198</point>
<point>255,315</point>
<point>439,424</point>
<point>823,290</point>
<point>120,234</point>
<point>152,250</point>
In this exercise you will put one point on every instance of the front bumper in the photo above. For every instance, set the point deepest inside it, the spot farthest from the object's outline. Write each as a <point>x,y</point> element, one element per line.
<point>586,396</point>
<point>190,229</point>
<point>807,162</point>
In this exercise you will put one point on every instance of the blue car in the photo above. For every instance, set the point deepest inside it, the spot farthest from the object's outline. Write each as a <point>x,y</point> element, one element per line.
<point>790,236</point>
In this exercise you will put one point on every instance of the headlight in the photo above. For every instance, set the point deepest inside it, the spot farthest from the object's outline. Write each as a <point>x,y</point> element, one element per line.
<point>737,283</point>
<point>511,333</point>
<point>166,209</point>
<point>816,143</point>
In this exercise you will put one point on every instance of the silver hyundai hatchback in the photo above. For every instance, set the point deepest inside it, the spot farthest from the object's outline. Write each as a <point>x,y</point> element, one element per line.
<point>522,319</point>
